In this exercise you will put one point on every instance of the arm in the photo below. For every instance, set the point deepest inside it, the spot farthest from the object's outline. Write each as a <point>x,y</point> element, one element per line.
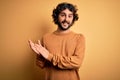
<point>65,62</point>
<point>70,62</point>
<point>40,61</point>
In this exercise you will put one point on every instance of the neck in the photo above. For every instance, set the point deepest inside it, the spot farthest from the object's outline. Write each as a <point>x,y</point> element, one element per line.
<point>63,31</point>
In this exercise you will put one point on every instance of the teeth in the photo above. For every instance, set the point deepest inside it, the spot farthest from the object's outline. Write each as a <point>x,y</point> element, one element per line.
<point>65,23</point>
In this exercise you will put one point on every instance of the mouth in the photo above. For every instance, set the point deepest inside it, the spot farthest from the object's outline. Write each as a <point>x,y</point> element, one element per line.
<point>65,22</point>
<point>65,25</point>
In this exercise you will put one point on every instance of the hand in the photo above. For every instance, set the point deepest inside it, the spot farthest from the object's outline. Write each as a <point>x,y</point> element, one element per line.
<point>39,49</point>
<point>32,45</point>
<point>43,51</point>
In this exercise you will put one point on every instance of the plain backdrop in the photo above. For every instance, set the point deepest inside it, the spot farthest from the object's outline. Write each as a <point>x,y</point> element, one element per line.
<point>21,20</point>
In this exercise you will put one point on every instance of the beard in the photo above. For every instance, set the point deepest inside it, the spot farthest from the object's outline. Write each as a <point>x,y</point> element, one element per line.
<point>62,28</point>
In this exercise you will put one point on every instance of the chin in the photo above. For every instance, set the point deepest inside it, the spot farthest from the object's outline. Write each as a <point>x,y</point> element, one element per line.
<point>65,28</point>
<point>62,27</point>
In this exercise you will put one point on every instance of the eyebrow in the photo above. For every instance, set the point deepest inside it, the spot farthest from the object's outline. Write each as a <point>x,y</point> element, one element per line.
<point>64,13</point>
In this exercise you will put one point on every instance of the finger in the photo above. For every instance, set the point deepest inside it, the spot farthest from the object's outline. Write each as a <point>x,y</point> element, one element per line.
<point>31,43</point>
<point>36,45</point>
<point>39,42</point>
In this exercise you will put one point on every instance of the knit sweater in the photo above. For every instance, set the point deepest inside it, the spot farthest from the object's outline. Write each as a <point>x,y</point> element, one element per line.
<point>66,55</point>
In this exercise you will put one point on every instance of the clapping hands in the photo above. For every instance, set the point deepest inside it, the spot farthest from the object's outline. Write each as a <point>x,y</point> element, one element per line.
<point>39,49</point>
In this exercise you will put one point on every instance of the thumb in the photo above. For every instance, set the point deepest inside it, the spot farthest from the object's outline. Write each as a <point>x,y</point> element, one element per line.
<point>39,42</point>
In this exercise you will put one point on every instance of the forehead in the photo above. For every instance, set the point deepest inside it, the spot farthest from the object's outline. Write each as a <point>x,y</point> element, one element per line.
<point>66,11</point>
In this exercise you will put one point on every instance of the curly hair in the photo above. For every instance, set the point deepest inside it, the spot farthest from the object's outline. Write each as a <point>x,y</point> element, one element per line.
<point>63,6</point>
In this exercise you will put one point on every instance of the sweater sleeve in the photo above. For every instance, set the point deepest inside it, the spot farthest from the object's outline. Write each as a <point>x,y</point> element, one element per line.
<point>70,62</point>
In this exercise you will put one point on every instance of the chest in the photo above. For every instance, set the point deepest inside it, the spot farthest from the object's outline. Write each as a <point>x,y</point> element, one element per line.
<point>62,46</point>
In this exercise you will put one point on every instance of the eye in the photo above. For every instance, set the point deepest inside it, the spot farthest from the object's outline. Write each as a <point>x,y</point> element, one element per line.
<point>70,16</point>
<point>62,15</point>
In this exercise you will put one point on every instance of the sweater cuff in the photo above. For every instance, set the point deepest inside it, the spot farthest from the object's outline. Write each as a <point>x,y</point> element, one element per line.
<point>50,56</point>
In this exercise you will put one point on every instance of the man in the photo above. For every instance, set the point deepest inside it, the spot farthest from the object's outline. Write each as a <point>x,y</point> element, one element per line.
<point>61,52</point>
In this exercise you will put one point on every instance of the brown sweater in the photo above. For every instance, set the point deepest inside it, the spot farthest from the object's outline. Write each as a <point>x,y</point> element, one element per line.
<point>66,55</point>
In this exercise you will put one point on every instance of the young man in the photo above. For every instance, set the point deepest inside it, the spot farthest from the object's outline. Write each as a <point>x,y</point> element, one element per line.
<point>61,52</point>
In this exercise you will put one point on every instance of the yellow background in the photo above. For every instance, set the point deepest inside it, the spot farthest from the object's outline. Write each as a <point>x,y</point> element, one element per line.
<point>21,20</point>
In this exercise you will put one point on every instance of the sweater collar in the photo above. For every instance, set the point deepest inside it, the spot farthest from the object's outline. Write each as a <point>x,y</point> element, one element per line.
<point>62,33</point>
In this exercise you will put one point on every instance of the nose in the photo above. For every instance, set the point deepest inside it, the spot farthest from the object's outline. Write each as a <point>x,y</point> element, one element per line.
<point>66,18</point>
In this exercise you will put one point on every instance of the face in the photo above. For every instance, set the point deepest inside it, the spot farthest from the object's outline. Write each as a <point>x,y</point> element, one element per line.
<point>65,19</point>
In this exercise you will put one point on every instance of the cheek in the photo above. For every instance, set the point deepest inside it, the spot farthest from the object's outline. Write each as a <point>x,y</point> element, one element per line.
<point>71,20</point>
<point>60,19</point>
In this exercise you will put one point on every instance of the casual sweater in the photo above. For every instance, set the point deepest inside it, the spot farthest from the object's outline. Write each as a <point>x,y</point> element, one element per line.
<point>66,55</point>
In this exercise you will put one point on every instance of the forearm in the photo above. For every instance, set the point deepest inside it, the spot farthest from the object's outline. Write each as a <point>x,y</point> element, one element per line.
<point>70,62</point>
<point>40,61</point>
<point>64,62</point>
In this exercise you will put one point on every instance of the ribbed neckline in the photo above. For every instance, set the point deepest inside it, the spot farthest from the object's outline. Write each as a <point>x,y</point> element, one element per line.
<point>62,34</point>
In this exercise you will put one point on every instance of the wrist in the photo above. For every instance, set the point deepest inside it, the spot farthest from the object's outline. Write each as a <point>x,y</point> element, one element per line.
<point>46,55</point>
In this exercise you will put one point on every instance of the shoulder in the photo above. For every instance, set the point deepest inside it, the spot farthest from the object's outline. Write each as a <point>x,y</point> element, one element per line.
<point>79,35</point>
<point>47,35</point>
<point>80,39</point>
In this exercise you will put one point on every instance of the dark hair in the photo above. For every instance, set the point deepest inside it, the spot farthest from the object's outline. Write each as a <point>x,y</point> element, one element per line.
<point>62,6</point>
